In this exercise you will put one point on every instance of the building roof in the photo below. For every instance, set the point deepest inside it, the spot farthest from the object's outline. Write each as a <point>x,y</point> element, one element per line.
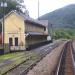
<point>31,20</point>
<point>26,18</point>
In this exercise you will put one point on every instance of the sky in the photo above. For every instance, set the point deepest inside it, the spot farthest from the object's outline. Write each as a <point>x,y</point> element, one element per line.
<point>45,6</point>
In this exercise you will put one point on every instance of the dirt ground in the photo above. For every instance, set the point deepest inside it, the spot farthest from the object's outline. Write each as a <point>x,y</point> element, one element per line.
<point>47,65</point>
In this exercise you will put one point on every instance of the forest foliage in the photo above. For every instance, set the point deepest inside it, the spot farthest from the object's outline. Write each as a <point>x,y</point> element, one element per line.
<point>65,33</point>
<point>11,5</point>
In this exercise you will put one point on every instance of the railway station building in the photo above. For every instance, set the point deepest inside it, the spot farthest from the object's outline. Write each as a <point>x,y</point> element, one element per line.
<point>21,32</point>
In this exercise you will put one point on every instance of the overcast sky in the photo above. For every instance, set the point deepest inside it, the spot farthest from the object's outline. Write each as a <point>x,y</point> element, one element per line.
<point>45,6</point>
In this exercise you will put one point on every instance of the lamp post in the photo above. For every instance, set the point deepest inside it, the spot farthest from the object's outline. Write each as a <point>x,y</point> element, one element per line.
<point>3,5</point>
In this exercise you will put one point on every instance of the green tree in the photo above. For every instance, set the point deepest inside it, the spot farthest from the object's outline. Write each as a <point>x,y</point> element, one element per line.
<point>12,5</point>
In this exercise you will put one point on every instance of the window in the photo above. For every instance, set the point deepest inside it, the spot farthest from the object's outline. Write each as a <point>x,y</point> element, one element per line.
<point>16,41</point>
<point>10,41</point>
<point>44,29</point>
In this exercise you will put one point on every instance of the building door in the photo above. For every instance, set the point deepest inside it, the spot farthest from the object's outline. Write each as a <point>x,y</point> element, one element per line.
<point>16,41</point>
<point>10,42</point>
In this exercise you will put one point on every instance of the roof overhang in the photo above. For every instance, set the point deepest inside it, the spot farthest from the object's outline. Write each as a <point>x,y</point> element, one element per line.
<point>35,34</point>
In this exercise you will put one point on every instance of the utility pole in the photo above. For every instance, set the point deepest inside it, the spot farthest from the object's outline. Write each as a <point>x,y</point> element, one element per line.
<point>38,9</point>
<point>52,32</point>
<point>3,5</point>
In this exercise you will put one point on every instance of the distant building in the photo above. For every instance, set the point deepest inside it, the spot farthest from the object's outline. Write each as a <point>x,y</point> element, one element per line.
<point>20,32</point>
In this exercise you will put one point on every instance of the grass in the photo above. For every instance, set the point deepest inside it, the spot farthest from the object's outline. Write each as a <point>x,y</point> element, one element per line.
<point>9,56</point>
<point>16,58</point>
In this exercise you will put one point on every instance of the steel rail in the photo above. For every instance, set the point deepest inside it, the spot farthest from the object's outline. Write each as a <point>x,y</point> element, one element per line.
<point>66,61</point>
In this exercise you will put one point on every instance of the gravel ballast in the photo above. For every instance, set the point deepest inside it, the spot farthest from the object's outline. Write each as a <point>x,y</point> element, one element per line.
<point>47,65</point>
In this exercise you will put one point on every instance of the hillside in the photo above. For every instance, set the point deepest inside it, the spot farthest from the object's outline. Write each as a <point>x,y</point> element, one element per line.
<point>63,17</point>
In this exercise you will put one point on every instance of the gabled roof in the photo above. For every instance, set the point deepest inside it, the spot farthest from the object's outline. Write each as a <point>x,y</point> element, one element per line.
<point>26,18</point>
<point>13,11</point>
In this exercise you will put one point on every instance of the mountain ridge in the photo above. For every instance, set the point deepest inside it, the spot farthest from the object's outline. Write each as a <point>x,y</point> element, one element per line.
<point>62,17</point>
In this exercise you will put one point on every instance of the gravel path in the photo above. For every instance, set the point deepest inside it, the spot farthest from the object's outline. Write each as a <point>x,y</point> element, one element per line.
<point>47,65</point>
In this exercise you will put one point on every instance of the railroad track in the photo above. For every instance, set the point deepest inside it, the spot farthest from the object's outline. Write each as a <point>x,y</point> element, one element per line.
<point>42,55</point>
<point>66,63</point>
